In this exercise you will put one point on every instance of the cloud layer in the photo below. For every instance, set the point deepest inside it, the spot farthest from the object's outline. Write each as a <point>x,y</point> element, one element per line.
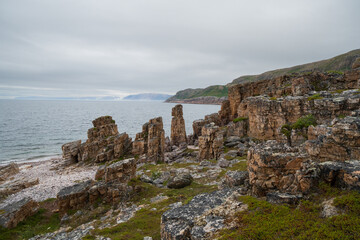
<point>96,48</point>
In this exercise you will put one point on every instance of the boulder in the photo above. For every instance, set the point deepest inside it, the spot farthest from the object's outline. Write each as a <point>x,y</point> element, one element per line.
<point>16,212</point>
<point>281,198</point>
<point>71,151</point>
<point>180,181</point>
<point>16,186</point>
<point>235,178</point>
<point>121,171</point>
<point>178,134</point>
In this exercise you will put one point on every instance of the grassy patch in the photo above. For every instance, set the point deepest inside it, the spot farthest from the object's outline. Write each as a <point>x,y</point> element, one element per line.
<point>39,223</point>
<point>338,91</point>
<point>240,119</point>
<point>314,97</point>
<point>267,221</point>
<point>146,221</point>
<point>335,72</point>
<point>304,122</point>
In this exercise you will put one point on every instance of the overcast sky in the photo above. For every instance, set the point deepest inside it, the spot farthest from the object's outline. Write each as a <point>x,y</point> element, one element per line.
<point>102,47</point>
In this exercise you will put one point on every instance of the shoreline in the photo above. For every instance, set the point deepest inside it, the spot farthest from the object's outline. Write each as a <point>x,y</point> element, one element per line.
<point>52,176</point>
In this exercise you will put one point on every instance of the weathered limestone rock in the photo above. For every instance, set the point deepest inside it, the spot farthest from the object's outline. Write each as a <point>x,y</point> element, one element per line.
<point>267,116</point>
<point>239,129</point>
<point>281,198</point>
<point>151,141</point>
<point>275,167</point>
<point>291,85</point>
<point>16,212</point>
<point>344,175</point>
<point>121,171</point>
<point>340,142</point>
<point>178,134</point>
<point>8,170</point>
<point>74,197</point>
<point>225,112</point>
<point>104,143</point>
<point>210,142</point>
<point>201,217</point>
<point>180,181</point>
<point>71,151</point>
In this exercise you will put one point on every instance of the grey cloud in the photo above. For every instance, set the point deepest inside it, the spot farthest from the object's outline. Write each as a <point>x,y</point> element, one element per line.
<point>117,47</point>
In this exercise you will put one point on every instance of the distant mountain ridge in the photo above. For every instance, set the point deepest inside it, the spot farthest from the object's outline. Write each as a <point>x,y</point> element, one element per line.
<point>339,63</point>
<point>148,96</point>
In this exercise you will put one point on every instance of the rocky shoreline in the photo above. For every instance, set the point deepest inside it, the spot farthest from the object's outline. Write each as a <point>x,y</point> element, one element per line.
<point>285,141</point>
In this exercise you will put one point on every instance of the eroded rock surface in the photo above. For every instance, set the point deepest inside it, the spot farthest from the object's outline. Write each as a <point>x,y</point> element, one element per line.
<point>178,134</point>
<point>16,212</point>
<point>201,217</point>
<point>151,141</point>
<point>8,171</point>
<point>210,142</point>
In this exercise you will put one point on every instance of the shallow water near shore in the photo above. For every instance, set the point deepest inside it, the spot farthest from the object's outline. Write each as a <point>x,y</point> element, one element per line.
<point>35,130</point>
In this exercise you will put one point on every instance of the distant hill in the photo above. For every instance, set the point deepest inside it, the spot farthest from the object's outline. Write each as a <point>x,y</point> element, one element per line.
<point>148,96</point>
<point>341,63</point>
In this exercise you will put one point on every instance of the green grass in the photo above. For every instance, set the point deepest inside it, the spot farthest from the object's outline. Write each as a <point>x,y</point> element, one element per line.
<point>215,91</point>
<point>32,226</point>
<point>335,72</point>
<point>301,123</point>
<point>315,97</point>
<point>240,119</point>
<point>267,221</point>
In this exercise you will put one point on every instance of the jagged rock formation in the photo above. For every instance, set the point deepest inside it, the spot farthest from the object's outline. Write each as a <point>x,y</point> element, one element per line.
<point>201,217</point>
<point>113,189</point>
<point>104,143</point>
<point>15,212</point>
<point>341,142</point>
<point>273,166</point>
<point>16,186</point>
<point>210,142</point>
<point>178,133</point>
<point>151,141</point>
<point>287,85</point>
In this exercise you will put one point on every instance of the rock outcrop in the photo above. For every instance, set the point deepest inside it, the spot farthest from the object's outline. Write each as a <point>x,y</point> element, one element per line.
<point>16,212</point>
<point>111,187</point>
<point>341,142</point>
<point>272,166</point>
<point>104,143</point>
<point>151,141</point>
<point>210,142</point>
<point>178,133</point>
<point>291,85</point>
<point>202,217</point>
<point>266,116</point>
<point>12,187</point>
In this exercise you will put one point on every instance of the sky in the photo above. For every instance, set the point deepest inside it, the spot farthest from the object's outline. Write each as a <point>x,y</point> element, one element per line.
<point>67,48</point>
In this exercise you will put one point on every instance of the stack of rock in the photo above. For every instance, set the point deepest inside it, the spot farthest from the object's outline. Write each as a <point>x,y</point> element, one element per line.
<point>210,142</point>
<point>151,141</point>
<point>104,143</point>
<point>178,134</point>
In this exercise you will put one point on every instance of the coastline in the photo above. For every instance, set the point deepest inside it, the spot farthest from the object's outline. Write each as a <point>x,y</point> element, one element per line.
<point>51,176</point>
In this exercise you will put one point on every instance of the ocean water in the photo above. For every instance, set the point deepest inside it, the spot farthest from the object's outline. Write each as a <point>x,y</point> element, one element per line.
<point>36,130</point>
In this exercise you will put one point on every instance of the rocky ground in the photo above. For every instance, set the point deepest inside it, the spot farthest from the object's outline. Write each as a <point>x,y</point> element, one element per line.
<point>43,180</point>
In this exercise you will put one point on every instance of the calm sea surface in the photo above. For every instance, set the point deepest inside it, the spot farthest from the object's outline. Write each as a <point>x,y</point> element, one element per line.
<point>35,130</point>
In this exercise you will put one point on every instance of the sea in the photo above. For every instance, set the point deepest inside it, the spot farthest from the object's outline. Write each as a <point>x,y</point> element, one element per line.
<point>35,130</point>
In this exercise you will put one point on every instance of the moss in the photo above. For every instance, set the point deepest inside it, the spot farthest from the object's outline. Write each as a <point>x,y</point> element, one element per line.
<point>314,97</point>
<point>338,91</point>
<point>341,116</point>
<point>263,220</point>
<point>40,223</point>
<point>240,119</point>
<point>273,98</point>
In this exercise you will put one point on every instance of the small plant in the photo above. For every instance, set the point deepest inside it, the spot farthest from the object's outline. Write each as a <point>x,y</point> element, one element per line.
<point>240,119</point>
<point>314,97</point>
<point>341,116</point>
<point>304,122</point>
<point>155,175</point>
<point>273,98</point>
<point>113,121</point>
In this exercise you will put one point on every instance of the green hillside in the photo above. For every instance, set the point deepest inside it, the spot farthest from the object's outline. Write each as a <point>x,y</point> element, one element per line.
<point>341,63</point>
